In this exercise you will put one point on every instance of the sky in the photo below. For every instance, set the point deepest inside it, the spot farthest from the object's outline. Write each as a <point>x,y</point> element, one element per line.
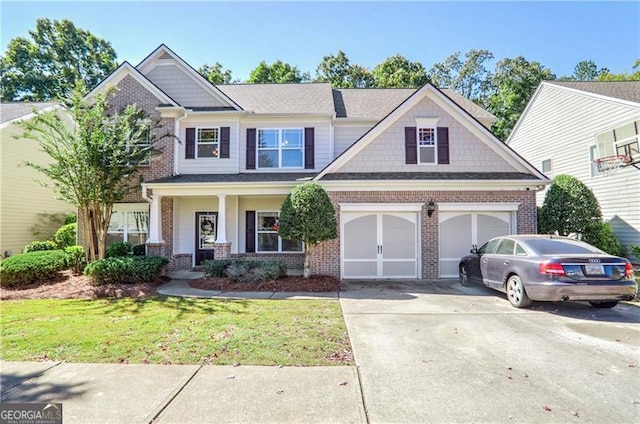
<point>241,34</point>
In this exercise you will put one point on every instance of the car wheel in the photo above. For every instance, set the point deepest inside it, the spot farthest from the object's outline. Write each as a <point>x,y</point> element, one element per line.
<point>603,304</point>
<point>464,275</point>
<point>516,292</point>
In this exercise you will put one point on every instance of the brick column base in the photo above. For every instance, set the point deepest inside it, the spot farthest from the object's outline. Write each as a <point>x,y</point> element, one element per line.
<point>155,249</point>
<point>222,250</point>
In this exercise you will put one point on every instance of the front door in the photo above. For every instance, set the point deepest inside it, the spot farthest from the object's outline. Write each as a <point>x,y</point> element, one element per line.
<point>206,224</point>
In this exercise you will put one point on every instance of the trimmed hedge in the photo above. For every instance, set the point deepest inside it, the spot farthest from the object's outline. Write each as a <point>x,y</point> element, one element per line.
<point>32,267</point>
<point>121,248</point>
<point>40,246</point>
<point>246,270</point>
<point>66,235</point>
<point>126,269</point>
<point>76,258</point>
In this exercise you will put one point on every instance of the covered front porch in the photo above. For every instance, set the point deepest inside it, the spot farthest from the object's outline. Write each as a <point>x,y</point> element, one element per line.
<point>190,223</point>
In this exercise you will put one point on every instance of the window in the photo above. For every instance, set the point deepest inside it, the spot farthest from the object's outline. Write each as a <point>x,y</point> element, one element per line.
<point>593,155</point>
<point>623,140</point>
<point>267,235</point>
<point>506,247</point>
<point>207,142</point>
<point>139,149</point>
<point>427,145</point>
<point>280,148</point>
<point>546,166</point>
<point>131,226</point>
<point>520,250</point>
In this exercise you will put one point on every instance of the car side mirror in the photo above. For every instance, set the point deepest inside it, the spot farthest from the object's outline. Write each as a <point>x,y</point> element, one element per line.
<point>474,249</point>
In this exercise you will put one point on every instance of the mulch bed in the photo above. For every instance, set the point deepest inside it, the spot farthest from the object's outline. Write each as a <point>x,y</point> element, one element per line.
<point>316,283</point>
<point>70,286</point>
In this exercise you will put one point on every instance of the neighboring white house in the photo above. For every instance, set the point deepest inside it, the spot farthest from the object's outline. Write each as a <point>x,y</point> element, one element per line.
<point>569,124</point>
<point>22,197</point>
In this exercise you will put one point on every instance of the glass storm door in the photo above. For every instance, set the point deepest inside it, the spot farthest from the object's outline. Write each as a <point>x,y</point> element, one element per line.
<point>206,224</point>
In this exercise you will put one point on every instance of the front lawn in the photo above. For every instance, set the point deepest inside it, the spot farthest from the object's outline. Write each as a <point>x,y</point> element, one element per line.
<point>164,330</point>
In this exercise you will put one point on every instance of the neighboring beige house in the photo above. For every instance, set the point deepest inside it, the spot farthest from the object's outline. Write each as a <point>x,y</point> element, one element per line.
<point>22,197</point>
<point>415,175</point>
<point>569,124</point>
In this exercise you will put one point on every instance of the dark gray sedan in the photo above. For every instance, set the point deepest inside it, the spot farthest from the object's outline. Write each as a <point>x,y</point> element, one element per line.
<point>549,268</point>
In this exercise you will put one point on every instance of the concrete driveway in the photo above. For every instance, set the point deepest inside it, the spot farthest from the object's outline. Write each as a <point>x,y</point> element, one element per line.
<point>444,353</point>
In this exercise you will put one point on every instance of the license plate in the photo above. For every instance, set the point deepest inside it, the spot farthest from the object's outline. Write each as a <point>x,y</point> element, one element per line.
<point>594,269</point>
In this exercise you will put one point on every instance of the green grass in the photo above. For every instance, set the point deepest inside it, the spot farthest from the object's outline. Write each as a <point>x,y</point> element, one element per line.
<point>165,330</point>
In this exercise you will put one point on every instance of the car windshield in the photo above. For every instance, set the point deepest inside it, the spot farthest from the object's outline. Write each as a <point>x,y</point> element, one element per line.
<point>558,247</point>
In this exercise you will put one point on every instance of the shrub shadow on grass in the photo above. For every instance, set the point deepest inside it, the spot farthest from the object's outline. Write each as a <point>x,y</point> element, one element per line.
<point>183,305</point>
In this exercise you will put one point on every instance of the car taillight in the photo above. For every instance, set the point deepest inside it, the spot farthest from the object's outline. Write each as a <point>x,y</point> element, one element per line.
<point>551,268</point>
<point>628,271</point>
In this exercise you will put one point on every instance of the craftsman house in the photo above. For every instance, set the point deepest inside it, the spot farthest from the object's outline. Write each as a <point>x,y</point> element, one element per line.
<point>415,175</point>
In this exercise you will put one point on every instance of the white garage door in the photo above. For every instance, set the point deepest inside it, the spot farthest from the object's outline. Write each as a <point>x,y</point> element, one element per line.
<point>459,231</point>
<point>379,244</point>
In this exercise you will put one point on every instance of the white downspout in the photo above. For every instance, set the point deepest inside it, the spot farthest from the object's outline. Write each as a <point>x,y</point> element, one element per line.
<point>176,143</point>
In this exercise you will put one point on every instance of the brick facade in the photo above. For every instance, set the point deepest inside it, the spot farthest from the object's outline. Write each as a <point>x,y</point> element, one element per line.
<point>326,259</point>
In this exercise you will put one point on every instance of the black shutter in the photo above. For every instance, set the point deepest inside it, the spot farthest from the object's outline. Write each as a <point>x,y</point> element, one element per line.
<point>224,142</point>
<point>251,148</point>
<point>250,236</point>
<point>410,146</point>
<point>309,148</point>
<point>443,145</point>
<point>190,145</point>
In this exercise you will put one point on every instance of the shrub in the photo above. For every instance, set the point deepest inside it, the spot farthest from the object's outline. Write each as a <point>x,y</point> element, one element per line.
<point>76,258</point>
<point>255,272</point>
<point>122,248</point>
<point>216,267</point>
<point>126,269</point>
<point>66,236</point>
<point>39,246</point>
<point>607,241</point>
<point>70,218</point>
<point>635,250</point>
<point>139,250</point>
<point>32,267</point>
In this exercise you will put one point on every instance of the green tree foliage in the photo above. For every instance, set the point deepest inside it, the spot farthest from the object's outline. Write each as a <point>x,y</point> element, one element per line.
<point>215,73</point>
<point>337,70</point>
<point>47,65</point>
<point>277,72</point>
<point>399,72</point>
<point>468,76</point>
<point>570,207</point>
<point>587,70</point>
<point>631,76</point>
<point>308,215</point>
<point>93,163</point>
<point>607,240</point>
<point>513,83</point>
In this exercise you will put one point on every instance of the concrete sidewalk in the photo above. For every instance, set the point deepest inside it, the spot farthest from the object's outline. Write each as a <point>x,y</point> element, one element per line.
<point>117,393</point>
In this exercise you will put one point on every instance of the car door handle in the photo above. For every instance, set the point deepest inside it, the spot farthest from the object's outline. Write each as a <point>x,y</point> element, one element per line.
<point>506,262</point>
<point>484,261</point>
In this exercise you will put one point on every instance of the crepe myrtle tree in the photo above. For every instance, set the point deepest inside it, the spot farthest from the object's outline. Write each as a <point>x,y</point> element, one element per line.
<point>308,215</point>
<point>94,157</point>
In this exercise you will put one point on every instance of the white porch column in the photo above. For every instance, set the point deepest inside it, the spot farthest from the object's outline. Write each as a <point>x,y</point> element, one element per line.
<point>155,221</point>
<point>222,219</point>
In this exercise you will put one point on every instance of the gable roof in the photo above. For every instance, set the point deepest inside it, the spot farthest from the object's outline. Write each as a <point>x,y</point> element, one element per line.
<point>298,98</point>
<point>458,112</point>
<point>623,90</point>
<point>14,111</point>
<point>122,71</point>
<point>164,52</point>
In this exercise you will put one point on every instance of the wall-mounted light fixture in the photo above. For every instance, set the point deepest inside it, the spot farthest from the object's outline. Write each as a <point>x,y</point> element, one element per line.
<point>431,208</point>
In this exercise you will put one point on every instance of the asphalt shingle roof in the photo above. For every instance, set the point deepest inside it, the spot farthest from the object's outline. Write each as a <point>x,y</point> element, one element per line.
<point>311,98</point>
<point>624,90</point>
<point>252,177</point>
<point>15,110</point>
<point>368,103</point>
<point>353,176</point>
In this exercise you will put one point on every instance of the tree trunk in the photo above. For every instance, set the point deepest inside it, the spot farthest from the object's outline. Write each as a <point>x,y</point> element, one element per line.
<point>309,248</point>
<point>89,229</point>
